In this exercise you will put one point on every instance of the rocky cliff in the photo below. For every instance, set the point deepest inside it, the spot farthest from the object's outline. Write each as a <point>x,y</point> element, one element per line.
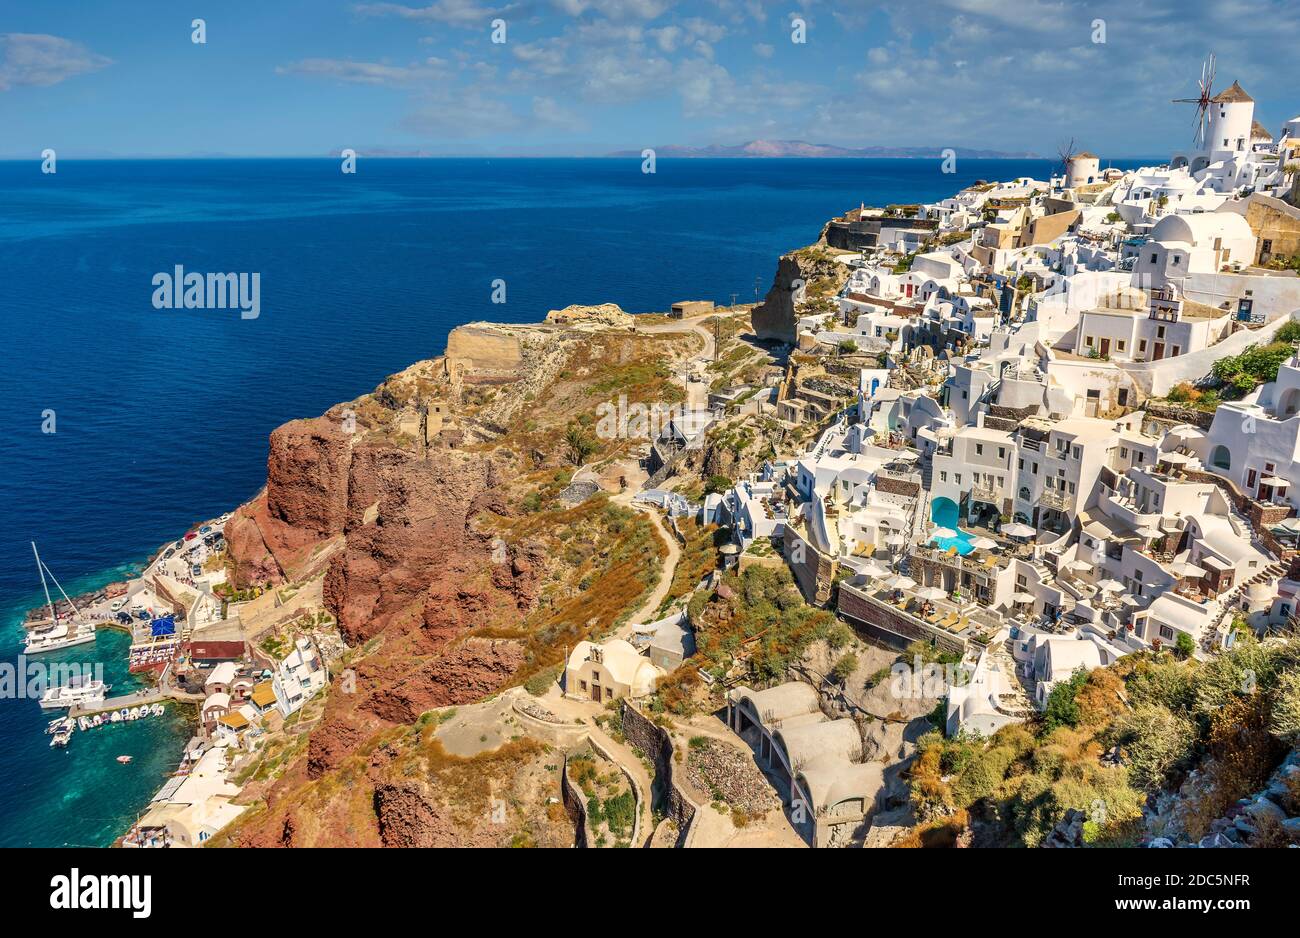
<point>800,275</point>
<point>433,564</point>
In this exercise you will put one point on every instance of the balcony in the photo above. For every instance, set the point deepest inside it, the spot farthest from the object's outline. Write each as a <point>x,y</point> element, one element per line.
<point>986,494</point>
<point>1050,498</point>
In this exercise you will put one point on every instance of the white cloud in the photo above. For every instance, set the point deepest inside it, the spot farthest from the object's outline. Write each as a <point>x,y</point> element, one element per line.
<point>463,13</point>
<point>40,60</point>
<point>763,50</point>
<point>369,73</point>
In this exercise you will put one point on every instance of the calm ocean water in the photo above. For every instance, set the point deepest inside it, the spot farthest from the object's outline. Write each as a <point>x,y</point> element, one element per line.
<point>162,415</point>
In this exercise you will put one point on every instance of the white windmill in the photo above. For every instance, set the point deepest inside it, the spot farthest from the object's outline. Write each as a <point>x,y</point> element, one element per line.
<point>1202,102</point>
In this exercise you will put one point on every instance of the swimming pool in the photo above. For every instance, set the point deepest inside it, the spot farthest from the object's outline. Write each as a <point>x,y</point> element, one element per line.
<point>943,512</point>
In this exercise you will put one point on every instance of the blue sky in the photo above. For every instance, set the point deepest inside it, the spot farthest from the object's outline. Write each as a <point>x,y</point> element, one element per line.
<point>287,77</point>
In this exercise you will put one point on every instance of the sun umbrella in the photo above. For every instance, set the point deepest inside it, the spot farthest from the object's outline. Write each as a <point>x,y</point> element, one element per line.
<point>984,543</point>
<point>1016,529</point>
<point>900,582</point>
<point>939,534</point>
<point>1184,568</point>
<point>1111,586</point>
<point>932,593</point>
<point>1174,459</point>
<point>874,568</point>
<point>1022,597</point>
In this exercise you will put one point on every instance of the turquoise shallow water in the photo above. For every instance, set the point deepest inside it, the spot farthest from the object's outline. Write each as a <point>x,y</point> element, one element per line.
<point>81,795</point>
<point>943,512</point>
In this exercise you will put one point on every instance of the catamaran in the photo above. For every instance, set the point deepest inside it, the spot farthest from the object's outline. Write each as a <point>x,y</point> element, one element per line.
<point>76,692</point>
<point>54,633</point>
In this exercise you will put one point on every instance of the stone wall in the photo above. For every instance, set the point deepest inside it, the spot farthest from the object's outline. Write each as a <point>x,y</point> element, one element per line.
<point>654,741</point>
<point>1176,414</point>
<point>815,573</point>
<point>575,805</point>
<point>890,623</point>
<point>897,486</point>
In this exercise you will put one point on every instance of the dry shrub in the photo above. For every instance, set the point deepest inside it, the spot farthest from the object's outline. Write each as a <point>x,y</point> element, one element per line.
<point>1242,755</point>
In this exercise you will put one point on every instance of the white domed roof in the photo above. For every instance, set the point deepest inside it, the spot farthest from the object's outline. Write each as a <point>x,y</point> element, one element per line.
<point>1201,228</point>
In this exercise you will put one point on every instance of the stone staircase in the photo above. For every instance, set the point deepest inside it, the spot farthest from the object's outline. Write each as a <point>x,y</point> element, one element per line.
<point>1272,573</point>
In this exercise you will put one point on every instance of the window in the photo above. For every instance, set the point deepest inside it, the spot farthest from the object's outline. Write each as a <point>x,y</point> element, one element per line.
<point>582,685</point>
<point>943,476</point>
<point>1267,247</point>
<point>957,478</point>
<point>1020,464</point>
<point>1160,332</point>
<point>1077,451</point>
<point>1166,632</point>
<point>979,449</point>
<point>1142,345</point>
<point>1120,344</point>
<point>1123,452</point>
<point>1002,452</point>
<point>1088,341</point>
<point>595,675</point>
<point>1177,259</point>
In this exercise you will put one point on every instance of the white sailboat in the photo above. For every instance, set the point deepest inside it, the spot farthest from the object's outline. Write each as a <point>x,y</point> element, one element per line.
<point>55,633</point>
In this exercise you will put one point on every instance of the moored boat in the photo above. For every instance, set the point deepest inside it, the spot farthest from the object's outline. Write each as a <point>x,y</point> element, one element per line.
<point>77,692</point>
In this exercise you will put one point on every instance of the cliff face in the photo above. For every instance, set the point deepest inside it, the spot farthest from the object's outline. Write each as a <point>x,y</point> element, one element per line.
<point>303,505</point>
<point>796,274</point>
<point>432,568</point>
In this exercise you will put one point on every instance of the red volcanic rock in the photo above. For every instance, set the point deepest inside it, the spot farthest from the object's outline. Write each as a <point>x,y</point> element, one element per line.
<point>252,558</point>
<point>307,476</point>
<point>273,537</point>
<point>463,675</point>
<point>409,817</point>
<point>409,536</point>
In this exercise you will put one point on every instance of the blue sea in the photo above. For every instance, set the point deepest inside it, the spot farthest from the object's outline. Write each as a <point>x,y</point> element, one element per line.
<point>162,416</point>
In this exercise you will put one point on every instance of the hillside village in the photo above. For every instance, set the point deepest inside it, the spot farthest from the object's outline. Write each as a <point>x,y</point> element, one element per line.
<point>981,529</point>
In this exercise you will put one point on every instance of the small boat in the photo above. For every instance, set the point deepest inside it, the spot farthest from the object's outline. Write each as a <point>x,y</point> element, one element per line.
<point>133,713</point>
<point>124,759</point>
<point>97,720</point>
<point>124,714</point>
<point>115,717</point>
<point>158,710</point>
<point>61,738</point>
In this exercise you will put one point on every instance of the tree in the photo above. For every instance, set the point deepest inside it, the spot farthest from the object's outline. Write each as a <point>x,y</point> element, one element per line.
<point>579,444</point>
<point>1184,645</point>
<point>1062,708</point>
<point>716,483</point>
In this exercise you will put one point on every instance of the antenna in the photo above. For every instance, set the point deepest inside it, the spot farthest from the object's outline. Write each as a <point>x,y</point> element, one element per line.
<point>1206,86</point>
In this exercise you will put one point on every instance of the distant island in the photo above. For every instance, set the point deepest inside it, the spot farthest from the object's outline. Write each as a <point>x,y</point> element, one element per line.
<point>769,149</point>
